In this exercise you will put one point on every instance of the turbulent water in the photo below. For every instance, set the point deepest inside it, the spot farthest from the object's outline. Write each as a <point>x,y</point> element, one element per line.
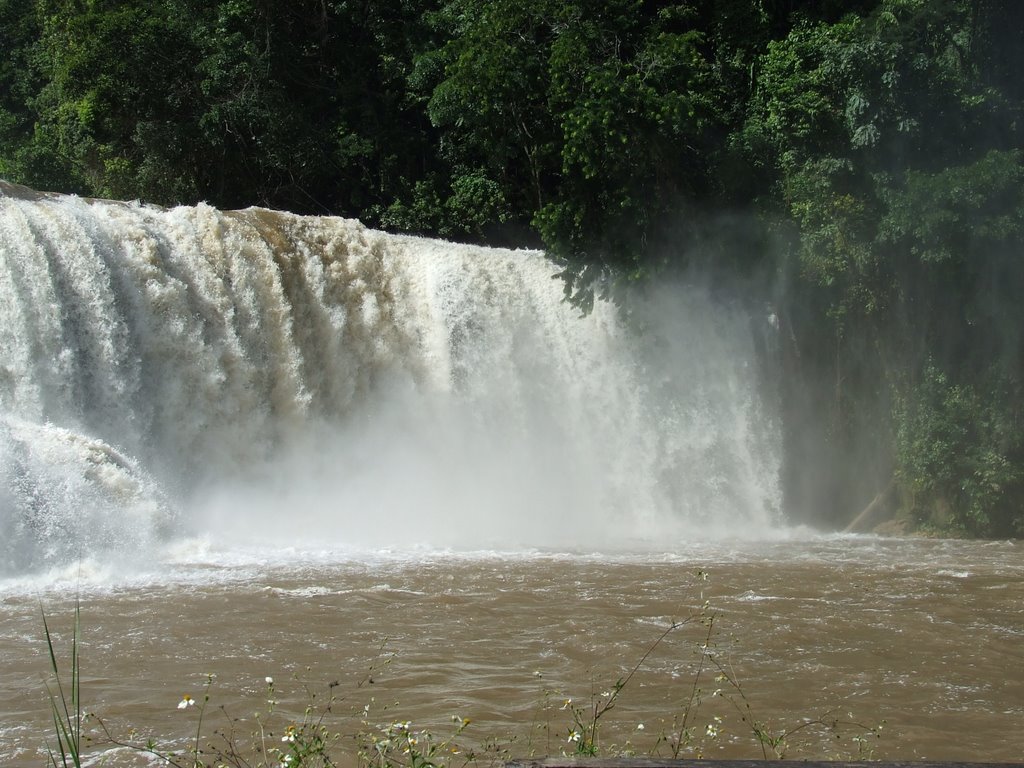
<point>260,377</point>
<point>261,445</point>
<point>927,636</point>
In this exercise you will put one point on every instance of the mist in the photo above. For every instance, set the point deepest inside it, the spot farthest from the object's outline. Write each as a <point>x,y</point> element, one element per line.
<point>300,381</point>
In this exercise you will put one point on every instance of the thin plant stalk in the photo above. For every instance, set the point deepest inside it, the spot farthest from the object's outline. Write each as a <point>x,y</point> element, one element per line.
<point>67,718</point>
<point>690,709</point>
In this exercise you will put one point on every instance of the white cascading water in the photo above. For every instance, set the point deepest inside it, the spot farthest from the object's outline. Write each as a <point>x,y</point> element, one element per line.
<point>258,377</point>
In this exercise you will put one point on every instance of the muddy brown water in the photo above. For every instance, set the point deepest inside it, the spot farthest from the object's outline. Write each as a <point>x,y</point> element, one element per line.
<point>924,636</point>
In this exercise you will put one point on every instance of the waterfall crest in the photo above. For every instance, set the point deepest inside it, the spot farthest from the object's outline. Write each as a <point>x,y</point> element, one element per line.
<point>232,370</point>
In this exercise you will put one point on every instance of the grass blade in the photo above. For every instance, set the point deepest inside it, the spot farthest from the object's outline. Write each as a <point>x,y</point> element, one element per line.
<point>67,727</point>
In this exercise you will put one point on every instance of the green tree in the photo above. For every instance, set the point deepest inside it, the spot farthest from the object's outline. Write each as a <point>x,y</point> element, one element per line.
<point>629,89</point>
<point>305,105</point>
<point>485,89</point>
<point>894,150</point>
<point>114,108</point>
<point>302,106</point>
<point>594,121</point>
<point>21,78</point>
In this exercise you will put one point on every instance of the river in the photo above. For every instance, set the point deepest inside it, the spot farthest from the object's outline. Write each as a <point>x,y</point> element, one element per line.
<point>924,636</point>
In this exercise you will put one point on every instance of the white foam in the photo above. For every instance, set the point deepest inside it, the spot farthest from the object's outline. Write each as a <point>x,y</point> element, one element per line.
<point>304,385</point>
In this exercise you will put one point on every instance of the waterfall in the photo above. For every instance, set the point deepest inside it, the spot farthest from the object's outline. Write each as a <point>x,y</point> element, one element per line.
<point>259,376</point>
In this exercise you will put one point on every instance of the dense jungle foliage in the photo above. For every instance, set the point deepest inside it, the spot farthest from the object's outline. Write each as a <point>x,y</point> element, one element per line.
<point>861,161</point>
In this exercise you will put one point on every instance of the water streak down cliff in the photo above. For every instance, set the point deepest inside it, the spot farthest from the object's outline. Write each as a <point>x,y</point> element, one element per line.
<point>260,374</point>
